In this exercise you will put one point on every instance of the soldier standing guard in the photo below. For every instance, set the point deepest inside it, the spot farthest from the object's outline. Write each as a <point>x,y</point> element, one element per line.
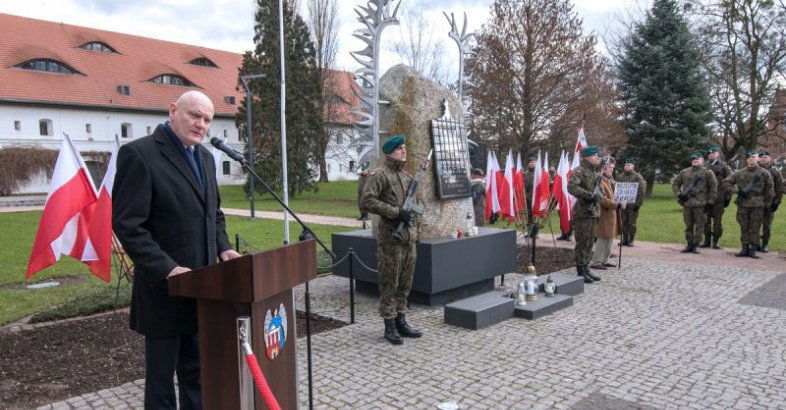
<point>754,194</point>
<point>384,195</point>
<point>584,185</point>
<point>529,178</point>
<point>713,226</point>
<point>364,174</point>
<point>765,161</point>
<point>696,189</point>
<point>631,213</point>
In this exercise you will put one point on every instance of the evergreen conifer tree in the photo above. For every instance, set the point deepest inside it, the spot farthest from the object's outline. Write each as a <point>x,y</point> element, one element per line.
<point>666,102</point>
<point>303,99</point>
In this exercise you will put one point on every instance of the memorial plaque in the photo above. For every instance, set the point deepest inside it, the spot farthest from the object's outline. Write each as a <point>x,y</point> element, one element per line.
<point>451,158</point>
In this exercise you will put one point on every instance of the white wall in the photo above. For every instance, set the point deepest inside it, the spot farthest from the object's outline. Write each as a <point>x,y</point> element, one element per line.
<point>340,153</point>
<point>104,126</point>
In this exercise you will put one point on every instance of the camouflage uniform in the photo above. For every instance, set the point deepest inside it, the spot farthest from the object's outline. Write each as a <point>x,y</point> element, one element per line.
<point>585,211</point>
<point>529,178</point>
<point>706,190</point>
<point>631,213</point>
<point>713,226</point>
<point>478,190</point>
<point>769,212</point>
<point>384,195</point>
<point>361,184</point>
<point>750,209</point>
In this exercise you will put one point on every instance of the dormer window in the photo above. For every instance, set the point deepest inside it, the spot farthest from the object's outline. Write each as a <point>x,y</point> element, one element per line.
<point>98,46</point>
<point>173,79</point>
<point>45,64</point>
<point>203,61</point>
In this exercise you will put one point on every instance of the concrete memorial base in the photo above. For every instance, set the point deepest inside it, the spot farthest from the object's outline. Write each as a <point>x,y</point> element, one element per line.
<point>567,283</point>
<point>543,306</point>
<point>446,269</point>
<point>479,311</point>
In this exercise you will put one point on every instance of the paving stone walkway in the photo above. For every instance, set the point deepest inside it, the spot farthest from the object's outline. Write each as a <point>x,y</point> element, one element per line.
<point>653,335</point>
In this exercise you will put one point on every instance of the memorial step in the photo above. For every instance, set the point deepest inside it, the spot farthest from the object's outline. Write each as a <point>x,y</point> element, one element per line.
<point>543,306</point>
<point>568,283</point>
<point>480,311</point>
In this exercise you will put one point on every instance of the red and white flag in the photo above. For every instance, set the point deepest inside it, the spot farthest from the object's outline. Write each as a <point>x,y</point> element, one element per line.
<point>519,197</point>
<point>99,216</point>
<point>581,143</point>
<point>561,195</point>
<point>507,207</point>
<point>492,200</point>
<point>62,229</point>
<point>541,191</point>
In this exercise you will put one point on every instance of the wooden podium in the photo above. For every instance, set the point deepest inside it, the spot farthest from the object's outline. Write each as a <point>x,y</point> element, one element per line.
<point>254,286</point>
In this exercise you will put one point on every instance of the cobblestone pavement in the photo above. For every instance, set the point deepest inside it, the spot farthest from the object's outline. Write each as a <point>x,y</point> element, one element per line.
<point>653,335</point>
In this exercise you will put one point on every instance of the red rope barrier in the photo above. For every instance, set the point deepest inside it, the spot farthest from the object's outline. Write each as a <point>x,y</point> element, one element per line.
<point>261,383</point>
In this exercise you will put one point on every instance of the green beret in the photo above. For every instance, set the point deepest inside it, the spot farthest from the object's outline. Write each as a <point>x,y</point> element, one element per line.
<point>532,158</point>
<point>751,152</point>
<point>714,148</point>
<point>392,143</point>
<point>767,153</point>
<point>630,160</point>
<point>696,155</point>
<point>589,151</point>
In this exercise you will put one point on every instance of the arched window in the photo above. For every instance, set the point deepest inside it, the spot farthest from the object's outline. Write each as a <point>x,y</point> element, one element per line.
<point>98,46</point>
<point>172,79</point>
<point>126,130</point>
<point>45,64</point>
<point>45,127</point>
<point>203,61</point>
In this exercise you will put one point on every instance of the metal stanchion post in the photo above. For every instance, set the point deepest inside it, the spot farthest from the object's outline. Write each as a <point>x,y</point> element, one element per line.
<point>351,287</point>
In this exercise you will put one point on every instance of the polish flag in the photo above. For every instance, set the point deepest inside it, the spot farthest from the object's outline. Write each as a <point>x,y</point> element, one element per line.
<point>506,191</point>
<point>100,216</point>
<point>561,195</point>
<point>520,199</point>
<point>581,143</point>
<point>492,199</point>
<point>540,182</point>
<point>62,229</point>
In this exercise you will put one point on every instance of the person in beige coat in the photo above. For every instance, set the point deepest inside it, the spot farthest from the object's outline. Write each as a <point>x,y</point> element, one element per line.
<point>608,223</point>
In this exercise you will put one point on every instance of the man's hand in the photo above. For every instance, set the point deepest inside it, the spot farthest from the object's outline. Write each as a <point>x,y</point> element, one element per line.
<point>229,254</point>
<point>404,216</point>
<point>682,197</point>
<point>595,197</point>
<point>177,270</point>
<point>623,205</point>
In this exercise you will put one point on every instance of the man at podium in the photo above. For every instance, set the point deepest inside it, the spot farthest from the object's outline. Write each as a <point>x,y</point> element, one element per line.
<point>166,213</point>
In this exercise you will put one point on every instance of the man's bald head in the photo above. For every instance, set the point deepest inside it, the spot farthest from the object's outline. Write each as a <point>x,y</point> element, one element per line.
<point>190,117</point>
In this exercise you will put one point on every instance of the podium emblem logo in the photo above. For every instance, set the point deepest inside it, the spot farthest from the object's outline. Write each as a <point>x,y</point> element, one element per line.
<point>275,331</point>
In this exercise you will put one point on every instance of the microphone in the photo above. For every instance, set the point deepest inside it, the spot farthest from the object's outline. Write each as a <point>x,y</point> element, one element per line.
<point>226,149</point>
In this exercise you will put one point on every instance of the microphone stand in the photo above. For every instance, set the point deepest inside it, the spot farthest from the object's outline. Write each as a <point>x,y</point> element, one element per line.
<point>305,235</point>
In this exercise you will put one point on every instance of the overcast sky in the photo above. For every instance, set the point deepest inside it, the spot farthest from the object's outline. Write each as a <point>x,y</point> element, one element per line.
<point>228,24</point>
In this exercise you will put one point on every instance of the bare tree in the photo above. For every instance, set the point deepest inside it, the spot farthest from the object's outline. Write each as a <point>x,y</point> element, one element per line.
<point>745,51</point>
<point>323,25</point>
<point>419,45</point>
<point>527,71</point>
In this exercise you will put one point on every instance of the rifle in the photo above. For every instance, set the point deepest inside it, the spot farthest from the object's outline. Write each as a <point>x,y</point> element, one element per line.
<point>691,190</point>
<point>596,193</point>
<point>748,189</point>
<point>409,200</point>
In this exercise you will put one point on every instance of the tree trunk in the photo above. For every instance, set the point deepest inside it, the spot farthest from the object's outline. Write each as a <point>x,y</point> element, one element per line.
<point>323,175</point>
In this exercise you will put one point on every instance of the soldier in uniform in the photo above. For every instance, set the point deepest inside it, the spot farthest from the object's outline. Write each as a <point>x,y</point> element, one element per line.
<point>478,191</point>
<point>754,194</point>
<point>364,174</point>
<point>631,213</point>
<point>696,189</point>
<point>529,178</point>
<point>765,161</point>
<point>584,185</point>
<point>384,195</point>
<point>713,226</point>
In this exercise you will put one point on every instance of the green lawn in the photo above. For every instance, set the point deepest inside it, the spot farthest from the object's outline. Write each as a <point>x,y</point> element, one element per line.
<point>19,229</point>
<point>337,198</point>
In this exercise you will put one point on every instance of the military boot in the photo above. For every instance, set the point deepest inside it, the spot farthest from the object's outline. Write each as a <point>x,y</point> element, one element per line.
<point>404,329</point>
<point>580,270</point>
<point>764,248</point>
<point>742,252</point>
<point>752,251</point>
<point>706,243</point>
<point>391,333</point>
<point>716,242</point>
<point>695,248</point>
<point>688,248</point>
<point>624,240</point>
<point>630,240</point>
<point>588,274</point>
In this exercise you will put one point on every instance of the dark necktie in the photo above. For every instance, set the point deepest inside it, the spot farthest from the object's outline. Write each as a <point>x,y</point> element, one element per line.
<point>192,158</point>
